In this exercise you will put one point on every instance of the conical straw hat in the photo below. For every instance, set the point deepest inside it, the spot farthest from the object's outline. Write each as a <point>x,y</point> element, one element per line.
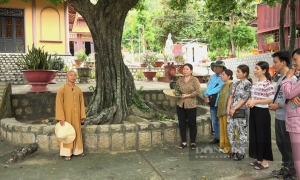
<point>66,134</point>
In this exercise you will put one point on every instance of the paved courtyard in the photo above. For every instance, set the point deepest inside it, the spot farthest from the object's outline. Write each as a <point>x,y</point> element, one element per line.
<point>170,164</point>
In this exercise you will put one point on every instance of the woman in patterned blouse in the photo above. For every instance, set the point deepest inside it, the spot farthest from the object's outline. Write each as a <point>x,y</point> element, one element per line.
<point>239,95</point>
<point>186,105</point>
<point>262,94</point>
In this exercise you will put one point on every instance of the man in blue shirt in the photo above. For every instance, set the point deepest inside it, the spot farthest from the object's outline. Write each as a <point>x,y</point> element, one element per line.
<point>214,87</point>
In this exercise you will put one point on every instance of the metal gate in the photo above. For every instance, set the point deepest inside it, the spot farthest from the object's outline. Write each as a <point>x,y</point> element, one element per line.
<point>11,30</point>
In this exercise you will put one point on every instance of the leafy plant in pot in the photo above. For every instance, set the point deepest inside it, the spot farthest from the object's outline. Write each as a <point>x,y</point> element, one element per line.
<point>36,66</point>
<point>149,58</point>
<point>180,61</point>
<point>80,57</point>
<point>57,65</point>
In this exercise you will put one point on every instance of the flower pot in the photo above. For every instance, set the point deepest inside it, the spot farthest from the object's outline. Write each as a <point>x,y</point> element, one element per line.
<point>78,62</point>
<point>39,79</point>
<point>53,79</point>
<point>143,65</point>
<point>84,74</point>
<point>159,64</point>
<point>203,61</point>
<point>180,70</point>
<point>89,64</point>
<point>272,71</point>
<point>149,75</point>
<point>231,56</point>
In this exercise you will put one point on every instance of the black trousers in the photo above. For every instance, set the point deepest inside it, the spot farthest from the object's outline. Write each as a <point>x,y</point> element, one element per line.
<point>284,144</point>
<point>260,146</point>
<point>187,117</point>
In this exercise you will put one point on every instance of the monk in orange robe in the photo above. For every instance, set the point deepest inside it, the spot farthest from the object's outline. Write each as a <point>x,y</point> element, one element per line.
<point>70,107</point>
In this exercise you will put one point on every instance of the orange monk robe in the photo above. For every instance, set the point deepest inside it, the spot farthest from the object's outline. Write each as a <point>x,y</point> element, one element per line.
<point>70,107</point>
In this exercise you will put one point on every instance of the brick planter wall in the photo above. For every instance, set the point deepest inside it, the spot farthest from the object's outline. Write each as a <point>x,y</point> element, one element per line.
<point>104,138</point>
<point>96,138</point>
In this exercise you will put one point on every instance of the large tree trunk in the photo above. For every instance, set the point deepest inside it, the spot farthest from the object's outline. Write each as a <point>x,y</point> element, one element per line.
<point>293,25</point>
<point>231,31</point>
<point>114,82</point>
<point>281,24</point>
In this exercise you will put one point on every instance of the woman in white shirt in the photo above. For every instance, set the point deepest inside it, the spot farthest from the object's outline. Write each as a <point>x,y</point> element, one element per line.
<point>262,94</point>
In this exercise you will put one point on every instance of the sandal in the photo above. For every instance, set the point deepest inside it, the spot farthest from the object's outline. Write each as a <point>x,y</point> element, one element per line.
<point>82,154</point>
<point>182,146</point>
<point>231,155</point>
<point>260,167</point>
<point>193,146</point>
<point>67,158</point>
<point>239,156</point>
<point>254,163</point>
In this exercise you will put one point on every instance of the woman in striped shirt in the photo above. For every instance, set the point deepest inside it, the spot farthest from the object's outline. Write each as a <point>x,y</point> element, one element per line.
<point>262,94</point>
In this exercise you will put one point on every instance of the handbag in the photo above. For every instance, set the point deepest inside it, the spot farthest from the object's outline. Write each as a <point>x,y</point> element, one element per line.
<point>213,98</point>
<point>239,113</point>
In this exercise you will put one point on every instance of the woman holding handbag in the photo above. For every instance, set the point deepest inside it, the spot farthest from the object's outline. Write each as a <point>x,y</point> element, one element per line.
<point>238,113</point>
<point>222,110</point>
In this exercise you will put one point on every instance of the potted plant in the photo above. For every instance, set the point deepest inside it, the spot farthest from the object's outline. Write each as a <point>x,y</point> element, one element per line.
<point>179,58</point>
<point>80,57</point>
<point>180,61</point>
<point>57,65</point>
<point>36,66</point>
<point>90,61</point>
<point>149,58</point>
<point>160,60</point>
<point>84,73</point>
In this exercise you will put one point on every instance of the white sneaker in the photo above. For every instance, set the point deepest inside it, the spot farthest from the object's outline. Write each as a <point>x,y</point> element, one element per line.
<point>222,151</point>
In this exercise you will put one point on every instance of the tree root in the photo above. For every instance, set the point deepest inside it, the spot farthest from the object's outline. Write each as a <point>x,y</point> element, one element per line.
<point>22,153</point>
<point>154,108</point>
<point>105,117</point>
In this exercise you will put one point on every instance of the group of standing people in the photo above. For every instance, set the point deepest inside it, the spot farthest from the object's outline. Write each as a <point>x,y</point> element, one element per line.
<point>251,101</point>
<point>245,106</point>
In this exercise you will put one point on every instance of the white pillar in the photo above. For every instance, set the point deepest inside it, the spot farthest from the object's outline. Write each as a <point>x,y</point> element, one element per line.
<point>67,28</point>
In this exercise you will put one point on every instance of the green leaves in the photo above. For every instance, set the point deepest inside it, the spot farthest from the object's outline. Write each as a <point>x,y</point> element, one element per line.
<point>36,58</point>
<point>57,62</point>
<point>243,36</point>
<point>80,54</point>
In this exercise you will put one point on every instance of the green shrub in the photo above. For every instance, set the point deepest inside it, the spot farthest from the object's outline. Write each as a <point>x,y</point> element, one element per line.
<point>36,58</point>
<point>57,62</point>
<point>93,74</point>
<point>80,55</point>
<point>159,74</point>
<point>140,74</point>
<point>212,56</point>
<point>139,102</point>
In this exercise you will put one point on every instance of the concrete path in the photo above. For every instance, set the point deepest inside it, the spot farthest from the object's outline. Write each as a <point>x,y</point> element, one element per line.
<point>169,164</point>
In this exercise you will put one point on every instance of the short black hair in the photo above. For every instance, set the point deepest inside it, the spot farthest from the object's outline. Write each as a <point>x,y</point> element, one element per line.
<point>228,72</point>
<point>297,51</point>
<point>283,55</point>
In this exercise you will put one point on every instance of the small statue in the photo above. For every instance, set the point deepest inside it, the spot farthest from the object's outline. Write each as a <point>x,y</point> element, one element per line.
<point>169,47</point>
